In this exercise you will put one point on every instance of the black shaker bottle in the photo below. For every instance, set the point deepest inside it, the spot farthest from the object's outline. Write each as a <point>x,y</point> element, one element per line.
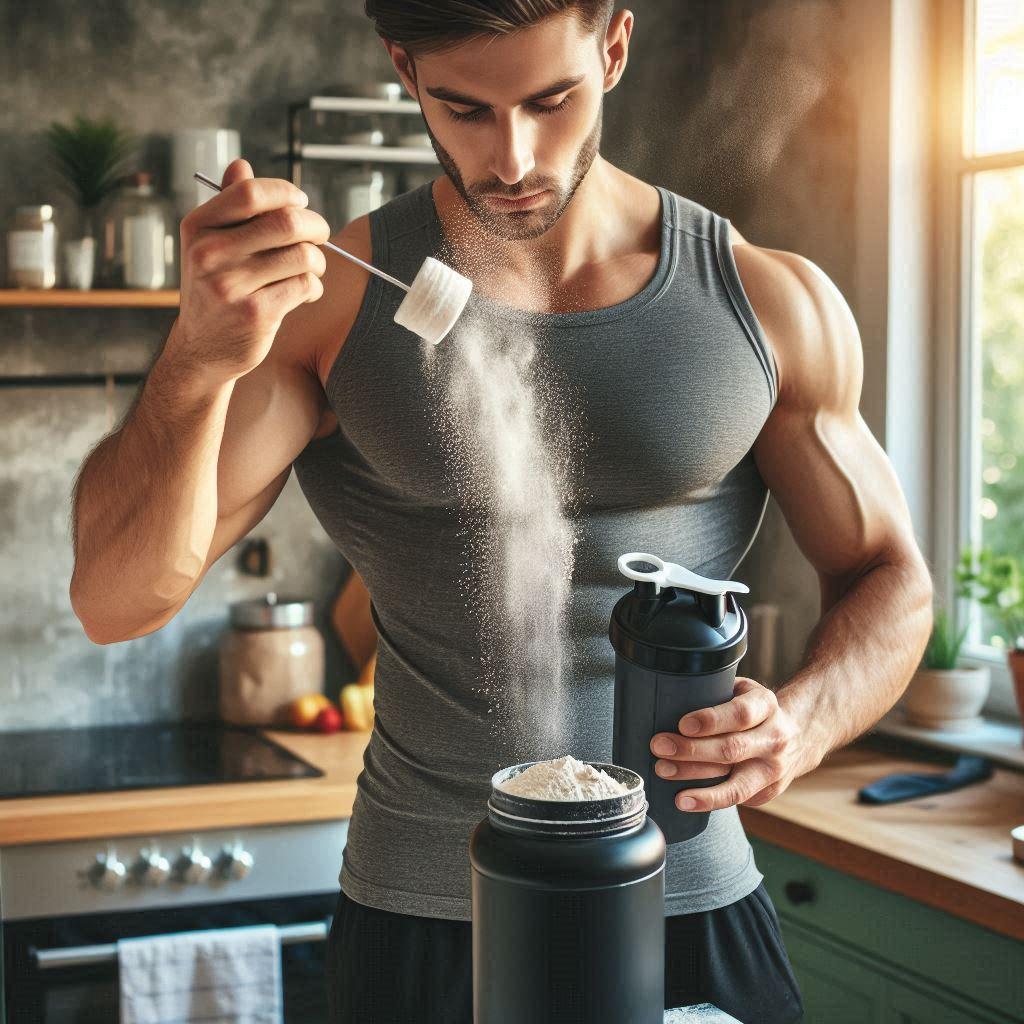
<point>568,909</point>
<point>678,638</point>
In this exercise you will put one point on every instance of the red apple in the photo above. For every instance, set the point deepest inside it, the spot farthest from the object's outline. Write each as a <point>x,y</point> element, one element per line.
<point>328,720</point>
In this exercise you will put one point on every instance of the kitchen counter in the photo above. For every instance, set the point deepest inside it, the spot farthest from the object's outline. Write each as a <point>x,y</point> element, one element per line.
<point>180,809</point>
<point>950,851</point>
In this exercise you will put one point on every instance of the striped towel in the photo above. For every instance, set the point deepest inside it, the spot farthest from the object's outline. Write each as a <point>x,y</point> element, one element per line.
<point>218,976</point>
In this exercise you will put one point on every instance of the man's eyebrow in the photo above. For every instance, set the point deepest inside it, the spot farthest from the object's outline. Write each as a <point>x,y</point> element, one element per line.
<point>439,92</point>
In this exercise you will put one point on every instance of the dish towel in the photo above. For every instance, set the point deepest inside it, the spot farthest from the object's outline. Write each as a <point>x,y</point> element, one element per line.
<point>892,788</point>
<point>218,976</point>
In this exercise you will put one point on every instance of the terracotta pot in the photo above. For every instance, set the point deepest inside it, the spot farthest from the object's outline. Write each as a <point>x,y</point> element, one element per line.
<point>947,699</point>
<point>1016,661</point>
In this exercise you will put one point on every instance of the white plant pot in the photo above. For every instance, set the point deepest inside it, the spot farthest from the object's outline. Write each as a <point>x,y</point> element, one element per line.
<point>79,262</point>
<point>947,699</point>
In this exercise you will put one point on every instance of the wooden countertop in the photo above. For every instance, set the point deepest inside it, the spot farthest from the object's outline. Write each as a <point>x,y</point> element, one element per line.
<point>951,851</point>
<point>49,819</point>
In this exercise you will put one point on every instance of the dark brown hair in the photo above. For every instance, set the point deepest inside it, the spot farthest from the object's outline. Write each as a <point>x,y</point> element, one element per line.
<point>423,26</point>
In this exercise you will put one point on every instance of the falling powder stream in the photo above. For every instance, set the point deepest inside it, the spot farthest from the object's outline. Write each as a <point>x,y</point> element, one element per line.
<point>512,459</point>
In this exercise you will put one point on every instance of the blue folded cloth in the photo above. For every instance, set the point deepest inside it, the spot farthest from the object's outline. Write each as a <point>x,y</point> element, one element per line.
<point>892,788</point>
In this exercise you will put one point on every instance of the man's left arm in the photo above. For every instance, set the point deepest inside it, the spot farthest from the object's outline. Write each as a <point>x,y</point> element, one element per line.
<point>843,502</point>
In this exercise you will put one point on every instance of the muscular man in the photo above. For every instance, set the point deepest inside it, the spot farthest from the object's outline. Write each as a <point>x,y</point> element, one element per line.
<point>706,371</point>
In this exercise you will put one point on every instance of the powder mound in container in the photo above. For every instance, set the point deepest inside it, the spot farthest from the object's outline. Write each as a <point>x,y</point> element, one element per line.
<point>564,778</point>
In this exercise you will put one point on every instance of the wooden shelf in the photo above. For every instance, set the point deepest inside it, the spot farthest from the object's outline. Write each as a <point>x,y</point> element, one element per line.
<point>99,298</point>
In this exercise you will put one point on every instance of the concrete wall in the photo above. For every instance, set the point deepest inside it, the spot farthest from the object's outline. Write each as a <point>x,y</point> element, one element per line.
<point>758,108</point>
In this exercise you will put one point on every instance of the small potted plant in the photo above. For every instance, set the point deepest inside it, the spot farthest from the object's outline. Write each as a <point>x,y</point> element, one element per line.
<point>90,158</point>
<point>942,694</point>
<point>995,582</point>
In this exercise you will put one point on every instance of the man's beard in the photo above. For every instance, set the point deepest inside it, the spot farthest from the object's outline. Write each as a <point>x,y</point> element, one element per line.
<point>516,226</point>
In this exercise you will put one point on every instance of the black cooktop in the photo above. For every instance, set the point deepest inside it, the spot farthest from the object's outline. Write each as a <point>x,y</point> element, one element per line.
<point>107,758</point>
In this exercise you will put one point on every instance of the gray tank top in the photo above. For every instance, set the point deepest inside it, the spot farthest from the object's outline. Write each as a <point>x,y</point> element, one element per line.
<point>671,387</point>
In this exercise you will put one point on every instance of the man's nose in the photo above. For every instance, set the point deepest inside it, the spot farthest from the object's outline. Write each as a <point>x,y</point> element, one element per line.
<point>512,158</point>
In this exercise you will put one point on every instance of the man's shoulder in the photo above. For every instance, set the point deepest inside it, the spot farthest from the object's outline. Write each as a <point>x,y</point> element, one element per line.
<point>312,335</point>
<point>806,320</point>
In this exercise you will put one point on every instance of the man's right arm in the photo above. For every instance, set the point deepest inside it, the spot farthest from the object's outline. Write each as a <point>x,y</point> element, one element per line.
<point>201,457</point>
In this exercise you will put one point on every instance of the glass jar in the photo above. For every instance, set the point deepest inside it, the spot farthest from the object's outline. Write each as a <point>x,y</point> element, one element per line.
<point>137,238</point>
<point>32,248</point>
<point>271,655</point>
<point>364,188</point>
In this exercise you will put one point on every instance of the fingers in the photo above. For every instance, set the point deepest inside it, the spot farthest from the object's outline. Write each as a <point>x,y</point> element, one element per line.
<point>266,268</point>
<point>284,296</point>
<point>218,250</point>
<point>689,770</point>
<point>751,704</point>
<point>237,170</point>
<point>284,226</point>
<point>243,199</point>
<point>744,784</point>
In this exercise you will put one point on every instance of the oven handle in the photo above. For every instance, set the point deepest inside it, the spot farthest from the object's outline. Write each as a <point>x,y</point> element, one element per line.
<point>77,956</point>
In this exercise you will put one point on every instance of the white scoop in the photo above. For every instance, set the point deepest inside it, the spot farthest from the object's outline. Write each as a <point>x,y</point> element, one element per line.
<point>433,302</point>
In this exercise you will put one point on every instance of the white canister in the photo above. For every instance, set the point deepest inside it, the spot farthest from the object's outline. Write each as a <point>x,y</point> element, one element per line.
<point>208,150</point>
<point>271,654</point>
<point>32,248</point>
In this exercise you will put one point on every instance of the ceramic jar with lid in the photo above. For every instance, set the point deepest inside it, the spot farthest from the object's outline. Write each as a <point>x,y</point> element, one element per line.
<point>271,654</point>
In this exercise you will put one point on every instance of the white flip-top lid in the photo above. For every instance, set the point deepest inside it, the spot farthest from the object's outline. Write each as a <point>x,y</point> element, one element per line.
<point>669,574</point>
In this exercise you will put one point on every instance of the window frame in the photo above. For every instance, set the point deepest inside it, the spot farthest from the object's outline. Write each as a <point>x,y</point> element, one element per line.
<point>958,373</point>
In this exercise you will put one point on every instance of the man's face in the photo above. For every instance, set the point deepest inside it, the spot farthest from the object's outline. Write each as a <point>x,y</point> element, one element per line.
<point>516,120</point>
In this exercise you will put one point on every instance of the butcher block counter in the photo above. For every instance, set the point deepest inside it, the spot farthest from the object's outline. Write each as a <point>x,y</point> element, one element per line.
<point>950,851</point>
<point>52,819</point>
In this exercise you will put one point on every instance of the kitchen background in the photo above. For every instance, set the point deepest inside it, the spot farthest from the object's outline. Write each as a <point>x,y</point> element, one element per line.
<point>773,112</point>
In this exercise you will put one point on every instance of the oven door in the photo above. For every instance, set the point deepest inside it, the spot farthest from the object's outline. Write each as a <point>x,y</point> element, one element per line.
<point>57,971</point>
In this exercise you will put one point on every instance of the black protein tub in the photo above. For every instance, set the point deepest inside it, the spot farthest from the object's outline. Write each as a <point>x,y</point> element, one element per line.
<point>568,908</point>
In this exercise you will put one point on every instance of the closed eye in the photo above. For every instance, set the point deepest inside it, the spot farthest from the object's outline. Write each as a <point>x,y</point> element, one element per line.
<point>539,108</point>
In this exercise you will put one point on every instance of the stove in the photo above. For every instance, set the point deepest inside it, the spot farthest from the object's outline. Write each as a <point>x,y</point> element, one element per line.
<point>108,758</point>
<point>65,905</point>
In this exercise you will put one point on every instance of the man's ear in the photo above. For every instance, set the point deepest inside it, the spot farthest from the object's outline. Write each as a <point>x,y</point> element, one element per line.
<point>616,48</point>
<point>404,66</point>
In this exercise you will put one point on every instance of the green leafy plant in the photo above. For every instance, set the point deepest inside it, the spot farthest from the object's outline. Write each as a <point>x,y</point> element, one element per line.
<point>995,582</point>
<point>943,650</point>
<point>91,157</point>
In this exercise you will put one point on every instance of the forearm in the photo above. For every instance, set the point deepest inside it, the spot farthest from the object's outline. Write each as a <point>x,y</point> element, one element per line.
<point>860,655</point>
<point>146,503</point>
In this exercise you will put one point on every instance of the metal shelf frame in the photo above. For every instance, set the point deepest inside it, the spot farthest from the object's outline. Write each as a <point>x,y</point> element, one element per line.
<point>298,150</point>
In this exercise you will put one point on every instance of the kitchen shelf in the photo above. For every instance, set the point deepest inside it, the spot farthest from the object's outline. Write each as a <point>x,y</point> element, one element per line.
<point>105,298</point>
<point>362,154</point>
<point>297,151</point>
<point>359,105</point>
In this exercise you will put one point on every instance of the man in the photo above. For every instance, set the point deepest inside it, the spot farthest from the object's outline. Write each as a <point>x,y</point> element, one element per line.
<point>706,371</point>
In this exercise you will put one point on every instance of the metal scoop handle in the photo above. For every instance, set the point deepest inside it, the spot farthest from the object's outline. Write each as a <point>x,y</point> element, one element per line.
<point>327,245</point>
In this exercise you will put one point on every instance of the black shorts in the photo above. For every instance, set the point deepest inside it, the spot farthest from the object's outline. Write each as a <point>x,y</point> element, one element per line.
<point>385,968</point>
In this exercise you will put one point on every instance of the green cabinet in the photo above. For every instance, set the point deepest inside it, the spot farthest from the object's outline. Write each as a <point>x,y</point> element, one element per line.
<point>863,954</point>
<point>834,988</point>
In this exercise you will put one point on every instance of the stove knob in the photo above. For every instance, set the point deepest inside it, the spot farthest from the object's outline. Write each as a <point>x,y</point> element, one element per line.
<point>108,872</point>
<point>234,862</point>
<point>193,866</point>
<point>152,867</point>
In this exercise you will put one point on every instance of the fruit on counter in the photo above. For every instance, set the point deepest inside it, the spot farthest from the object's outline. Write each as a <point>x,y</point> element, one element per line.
<point>303,710</point>
<point>357,706</point>
<point>329,720</point>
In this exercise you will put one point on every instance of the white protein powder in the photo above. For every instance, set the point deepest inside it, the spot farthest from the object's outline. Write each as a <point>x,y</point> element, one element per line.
<point>564,778</point>
<point>512,465</point>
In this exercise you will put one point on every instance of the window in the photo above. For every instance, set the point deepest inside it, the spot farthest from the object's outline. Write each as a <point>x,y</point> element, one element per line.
<point>991,406</point>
